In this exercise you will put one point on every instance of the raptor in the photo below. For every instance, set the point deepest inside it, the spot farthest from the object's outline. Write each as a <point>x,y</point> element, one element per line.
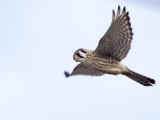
<point>112,48</point>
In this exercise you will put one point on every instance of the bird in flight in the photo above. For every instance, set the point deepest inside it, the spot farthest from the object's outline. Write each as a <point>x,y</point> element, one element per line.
<point>112,48</point>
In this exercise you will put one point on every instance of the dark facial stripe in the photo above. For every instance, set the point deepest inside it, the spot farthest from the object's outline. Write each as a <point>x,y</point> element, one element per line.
<point>83,51</point>
<point>79,55</point>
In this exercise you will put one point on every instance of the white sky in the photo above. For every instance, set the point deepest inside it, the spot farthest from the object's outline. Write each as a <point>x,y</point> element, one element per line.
<point>37,42</point>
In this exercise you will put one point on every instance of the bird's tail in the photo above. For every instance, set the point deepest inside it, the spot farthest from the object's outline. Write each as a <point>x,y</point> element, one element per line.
<point>139,78</point>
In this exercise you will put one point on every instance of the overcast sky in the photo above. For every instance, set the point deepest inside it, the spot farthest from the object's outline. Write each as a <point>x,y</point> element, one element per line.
<point>37,42</point>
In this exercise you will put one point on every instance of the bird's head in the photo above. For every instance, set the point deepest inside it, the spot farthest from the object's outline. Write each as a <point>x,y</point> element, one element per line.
<point>80,55</point>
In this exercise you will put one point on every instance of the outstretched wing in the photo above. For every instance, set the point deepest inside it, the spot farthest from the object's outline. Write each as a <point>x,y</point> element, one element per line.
<point>116,42</point>
<point>81,69</point>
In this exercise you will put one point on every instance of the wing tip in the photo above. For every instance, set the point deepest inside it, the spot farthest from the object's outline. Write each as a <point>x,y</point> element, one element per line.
<point>119,13</point>
<point>124,8</point>
<point>119,8</point>
<point>67,74</point>
<point>113,15</point>
<point>153,81</point>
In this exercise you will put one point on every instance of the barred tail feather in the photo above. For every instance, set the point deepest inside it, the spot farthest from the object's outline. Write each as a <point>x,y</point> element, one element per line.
<point>139,78</point>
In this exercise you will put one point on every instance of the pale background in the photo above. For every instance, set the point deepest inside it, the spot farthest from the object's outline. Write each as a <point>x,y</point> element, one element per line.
<point>37,42</point>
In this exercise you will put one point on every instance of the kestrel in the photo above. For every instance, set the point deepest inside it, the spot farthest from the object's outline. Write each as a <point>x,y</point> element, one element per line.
<point>112,48</point>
